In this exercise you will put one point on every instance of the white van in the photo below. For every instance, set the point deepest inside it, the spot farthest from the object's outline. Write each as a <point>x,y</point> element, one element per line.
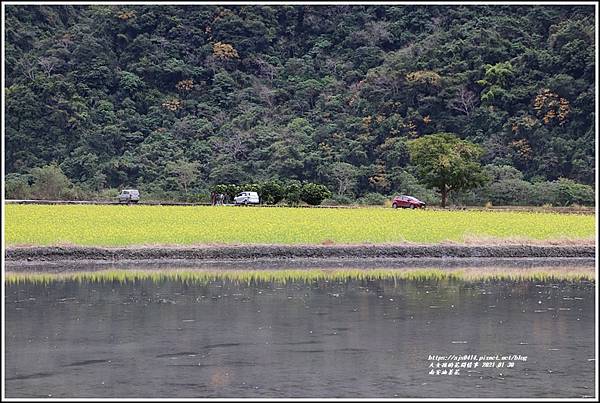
<point>247,198</point>
<point>129,196</point>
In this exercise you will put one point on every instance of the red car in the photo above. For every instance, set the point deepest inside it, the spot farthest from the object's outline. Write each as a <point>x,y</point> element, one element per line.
<point>407,202</point>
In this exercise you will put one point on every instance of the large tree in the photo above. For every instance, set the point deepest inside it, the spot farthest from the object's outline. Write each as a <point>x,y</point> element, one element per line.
<point>184,172</point>
<point>447,163</point>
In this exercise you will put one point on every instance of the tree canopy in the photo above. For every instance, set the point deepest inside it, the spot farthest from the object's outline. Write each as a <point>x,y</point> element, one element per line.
<point>447,163</point>
<point>178,98</point>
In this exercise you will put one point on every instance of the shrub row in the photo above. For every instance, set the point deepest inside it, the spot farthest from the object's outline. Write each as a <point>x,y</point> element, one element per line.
<point>274,192</point>
<point>506,187</point>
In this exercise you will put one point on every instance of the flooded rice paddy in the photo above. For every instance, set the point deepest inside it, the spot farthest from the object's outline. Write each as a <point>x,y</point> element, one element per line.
<point>282,333</point>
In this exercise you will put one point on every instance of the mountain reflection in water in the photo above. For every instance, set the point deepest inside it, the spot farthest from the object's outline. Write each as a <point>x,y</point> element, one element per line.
<point>312,337</point>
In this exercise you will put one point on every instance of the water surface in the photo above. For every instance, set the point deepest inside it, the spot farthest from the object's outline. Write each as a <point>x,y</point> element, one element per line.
<point>343,338</point>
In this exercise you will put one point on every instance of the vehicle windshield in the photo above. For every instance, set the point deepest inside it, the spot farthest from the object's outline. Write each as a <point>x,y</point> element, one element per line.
<point>412,198</point>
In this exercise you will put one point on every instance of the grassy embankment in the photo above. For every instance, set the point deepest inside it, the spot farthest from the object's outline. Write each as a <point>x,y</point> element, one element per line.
<point>96,225</point>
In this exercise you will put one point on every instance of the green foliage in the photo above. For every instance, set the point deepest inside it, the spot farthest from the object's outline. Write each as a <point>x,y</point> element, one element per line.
<point>293,192</point>
<point>499,73</point>
<point>314,194</point>
<point>250,187</point>
<point>507,187</point>
<point>228,189</point>
<point>271,192</point>
<point>49,182</point>
<point>407,184</point>
<point>118,94</point>
<point>447,163</point>
<point>510,191</point>
<point>109,194</point>
<point>184,172</point>
<point>130,82</point>
<point>373,199</point>
<point>344,176</point>
<point>571,192</point>
<point>16,186</point>
<point>338,200</point>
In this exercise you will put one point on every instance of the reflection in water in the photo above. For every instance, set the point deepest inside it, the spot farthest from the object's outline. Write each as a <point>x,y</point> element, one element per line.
<point>314,338</point>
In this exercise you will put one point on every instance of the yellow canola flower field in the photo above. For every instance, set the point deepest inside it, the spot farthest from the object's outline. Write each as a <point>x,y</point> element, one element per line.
<point>113,225</point>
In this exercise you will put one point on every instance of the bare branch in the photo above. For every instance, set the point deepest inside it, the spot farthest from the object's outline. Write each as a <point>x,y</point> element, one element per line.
<point>464,102</point>
<point>27,67</point>
<point>48,64</point>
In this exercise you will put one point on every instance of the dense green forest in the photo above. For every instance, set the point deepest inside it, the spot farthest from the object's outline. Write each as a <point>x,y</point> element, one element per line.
<point>176,99</point>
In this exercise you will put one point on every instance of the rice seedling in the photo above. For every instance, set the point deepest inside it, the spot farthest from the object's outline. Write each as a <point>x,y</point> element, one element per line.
<point>109,225</point>
<point>305,276</point>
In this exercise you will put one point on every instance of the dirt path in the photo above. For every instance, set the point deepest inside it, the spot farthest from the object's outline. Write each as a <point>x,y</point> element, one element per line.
<point>539,209</point>
<point>240,252</point>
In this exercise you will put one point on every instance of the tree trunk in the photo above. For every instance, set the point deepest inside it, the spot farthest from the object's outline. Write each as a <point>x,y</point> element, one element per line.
<point>444,195</point>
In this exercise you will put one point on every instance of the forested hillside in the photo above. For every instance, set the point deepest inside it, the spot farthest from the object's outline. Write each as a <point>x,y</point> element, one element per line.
<point>180,98</point>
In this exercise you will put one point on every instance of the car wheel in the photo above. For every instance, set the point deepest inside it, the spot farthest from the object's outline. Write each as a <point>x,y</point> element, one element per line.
<point>412,206</point>
<point>394,205</point>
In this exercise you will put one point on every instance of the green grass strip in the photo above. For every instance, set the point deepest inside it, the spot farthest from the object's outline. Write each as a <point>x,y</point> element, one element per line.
<point>306,276</point>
